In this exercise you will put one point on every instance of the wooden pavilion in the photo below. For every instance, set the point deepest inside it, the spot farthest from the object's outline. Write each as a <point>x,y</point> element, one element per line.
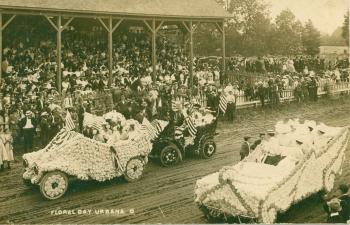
<point>152,14</point>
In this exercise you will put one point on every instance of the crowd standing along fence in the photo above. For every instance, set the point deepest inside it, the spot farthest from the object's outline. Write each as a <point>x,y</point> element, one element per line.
<point>287,95</point>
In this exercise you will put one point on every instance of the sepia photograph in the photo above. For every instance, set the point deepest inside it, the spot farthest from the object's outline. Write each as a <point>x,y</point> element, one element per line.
<point>174,111</point>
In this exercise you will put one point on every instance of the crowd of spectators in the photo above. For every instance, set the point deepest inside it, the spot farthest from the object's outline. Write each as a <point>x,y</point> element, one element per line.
<point>28,85</point>
<point>282,64</point>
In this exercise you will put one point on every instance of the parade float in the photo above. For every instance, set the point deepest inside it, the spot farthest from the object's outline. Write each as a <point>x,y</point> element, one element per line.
<point>193,136</point>
<point>73,155</point>
<point>300,160</point>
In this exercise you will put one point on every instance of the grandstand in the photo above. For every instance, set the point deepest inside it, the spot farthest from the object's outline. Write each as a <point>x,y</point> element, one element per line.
<point>112,14</point>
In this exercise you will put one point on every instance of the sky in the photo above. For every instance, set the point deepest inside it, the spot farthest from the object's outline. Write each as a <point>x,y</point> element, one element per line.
<point>326,15</point>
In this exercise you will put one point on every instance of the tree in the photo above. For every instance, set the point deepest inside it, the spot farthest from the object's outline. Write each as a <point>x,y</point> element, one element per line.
<point>286,39</point>
<point>311,39</point>
<point>335,39</point>
<point>248,30</point>
<point>345,28</point>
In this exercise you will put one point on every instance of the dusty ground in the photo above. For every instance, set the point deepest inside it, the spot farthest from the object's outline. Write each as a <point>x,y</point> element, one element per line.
<point>165,195</point>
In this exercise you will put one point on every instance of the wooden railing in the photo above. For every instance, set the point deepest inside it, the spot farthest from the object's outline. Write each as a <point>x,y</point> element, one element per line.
<point>288,94</point>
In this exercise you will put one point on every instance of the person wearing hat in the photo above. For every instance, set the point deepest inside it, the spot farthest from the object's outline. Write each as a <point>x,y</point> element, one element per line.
<point>313,86</point>
<point>334,208</point>
<point>344,202</point>
<point>27,126</point>
<point>258,141</point>
<point>245,148</point>
<point>44,128</point>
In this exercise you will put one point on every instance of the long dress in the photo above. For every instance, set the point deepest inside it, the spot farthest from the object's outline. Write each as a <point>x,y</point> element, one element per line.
<point>2,152</point>
<point>7,153</point>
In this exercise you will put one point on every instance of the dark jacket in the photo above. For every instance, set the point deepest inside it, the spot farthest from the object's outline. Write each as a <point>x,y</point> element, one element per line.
<point>345,205</point>
<point>244,150</point>
<point>335,218</point>
<point>23,122</point>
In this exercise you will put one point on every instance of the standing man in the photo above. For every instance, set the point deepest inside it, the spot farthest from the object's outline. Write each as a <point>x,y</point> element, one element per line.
<point>344,202</point>
<point>245,148</point>
<point>27,126</point>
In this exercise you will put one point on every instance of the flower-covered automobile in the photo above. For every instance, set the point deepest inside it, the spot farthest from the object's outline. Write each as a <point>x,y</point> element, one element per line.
<point>301,160</point>
<point>194,136</point>
<point>73,155</point>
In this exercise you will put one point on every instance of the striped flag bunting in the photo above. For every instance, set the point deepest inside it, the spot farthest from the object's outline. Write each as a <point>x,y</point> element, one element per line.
<point>93,121</point>
<point>223,103</point>
<point>191,126</point>
<point>69,122</point>
<point>156,124</point>
<point>150,130</point>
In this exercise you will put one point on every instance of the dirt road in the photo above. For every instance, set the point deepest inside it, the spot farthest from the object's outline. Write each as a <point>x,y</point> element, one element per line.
<point>165,195</point>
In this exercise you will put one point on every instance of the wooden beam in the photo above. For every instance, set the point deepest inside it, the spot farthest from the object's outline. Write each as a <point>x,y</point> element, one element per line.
<point>147,24</point>
<point>92,14</point>
<point>191,54</point>
<point>223,53</point>
<point>1,29</point>
<point>187,27</point>
<point>219,28</point>
<point>67,23</point>
<point>8,22</point>
<point>110,51</point>
<point>103,24</point>
<point>59,55</point>
<point>117,25</point>
<point>52,23</point>
<point>195,26</point>
<point>154,49</point>
<point>159,26</point>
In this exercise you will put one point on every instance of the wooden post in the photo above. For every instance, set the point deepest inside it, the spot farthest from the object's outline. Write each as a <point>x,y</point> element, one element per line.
<point>110,51</point>
<point>59,54</point>
<point>110,30</point>
<point>154,50</point>
<point>0,46</point>
<point>191,53</point>
<point>59,29</point>
<point>223,52</point>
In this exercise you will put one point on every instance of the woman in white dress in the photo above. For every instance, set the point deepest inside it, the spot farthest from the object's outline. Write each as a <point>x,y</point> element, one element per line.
<point>7,152</point>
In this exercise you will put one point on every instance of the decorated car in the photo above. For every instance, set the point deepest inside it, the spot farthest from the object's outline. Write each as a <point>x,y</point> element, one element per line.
<point>73,155</point>
<point>193,135</point>
<point>300,160</point>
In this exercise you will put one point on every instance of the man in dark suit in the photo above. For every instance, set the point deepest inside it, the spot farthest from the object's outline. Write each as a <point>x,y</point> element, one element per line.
<point>344,202</point>
<point>334,211</point>
<point>258,141</point>
<point>245,148</point>
<point>27,126</point>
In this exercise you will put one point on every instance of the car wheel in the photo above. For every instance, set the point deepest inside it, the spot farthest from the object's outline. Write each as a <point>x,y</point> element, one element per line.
<point>170,155</point>
<point>54,185</point>
<point>208,148</point>
<point>134,169</point>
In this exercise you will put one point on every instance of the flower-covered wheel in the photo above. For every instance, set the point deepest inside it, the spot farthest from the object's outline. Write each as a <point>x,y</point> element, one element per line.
<point>54,185</point>
<point>134,169</point>
<point>170,155</point>
<point>208,148</point>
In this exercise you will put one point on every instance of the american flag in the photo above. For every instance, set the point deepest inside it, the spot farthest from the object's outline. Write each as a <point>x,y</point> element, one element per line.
<point>223,103</point>
<point>93,121</point>
<point>69,122</point>
<point>173,105</point>
<point>191,126</point>
<point>151,130</point>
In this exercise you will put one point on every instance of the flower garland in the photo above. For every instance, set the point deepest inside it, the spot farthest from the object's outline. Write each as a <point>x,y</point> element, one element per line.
<point>299,183</point>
